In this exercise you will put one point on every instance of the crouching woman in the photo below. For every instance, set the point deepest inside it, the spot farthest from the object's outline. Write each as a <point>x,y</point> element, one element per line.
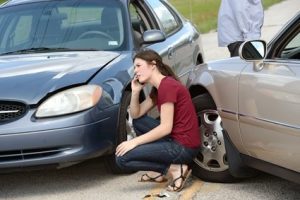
<point>162,146</point>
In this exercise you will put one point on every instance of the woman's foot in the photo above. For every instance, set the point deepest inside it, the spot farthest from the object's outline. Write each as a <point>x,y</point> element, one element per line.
<point>153,177</point>
<point>179,173</point>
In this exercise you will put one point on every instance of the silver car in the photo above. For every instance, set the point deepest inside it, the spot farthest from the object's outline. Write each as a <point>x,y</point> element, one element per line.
<point>249,110</point>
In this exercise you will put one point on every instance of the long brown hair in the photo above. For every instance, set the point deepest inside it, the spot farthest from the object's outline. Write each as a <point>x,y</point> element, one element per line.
<point>150,56</point>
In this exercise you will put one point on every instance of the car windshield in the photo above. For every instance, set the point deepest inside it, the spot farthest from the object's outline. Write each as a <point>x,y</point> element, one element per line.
<point>62,26</point>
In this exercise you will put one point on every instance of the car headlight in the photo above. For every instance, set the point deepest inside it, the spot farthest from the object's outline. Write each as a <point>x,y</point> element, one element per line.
<point>70,101</point>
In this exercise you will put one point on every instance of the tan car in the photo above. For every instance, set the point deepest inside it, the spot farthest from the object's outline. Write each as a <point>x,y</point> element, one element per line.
<point>249,110</point>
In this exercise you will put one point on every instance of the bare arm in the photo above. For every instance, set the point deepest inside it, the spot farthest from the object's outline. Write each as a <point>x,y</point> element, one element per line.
<point>165,128</point>
<point>136,109</point>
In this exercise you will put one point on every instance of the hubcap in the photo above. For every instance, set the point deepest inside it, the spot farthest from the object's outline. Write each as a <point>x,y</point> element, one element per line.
<point>212,156</point>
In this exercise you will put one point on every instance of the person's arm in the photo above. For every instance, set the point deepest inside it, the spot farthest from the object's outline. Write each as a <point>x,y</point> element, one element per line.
<point>249,15</point>
<point>163,129</point>
<point>135,108</point>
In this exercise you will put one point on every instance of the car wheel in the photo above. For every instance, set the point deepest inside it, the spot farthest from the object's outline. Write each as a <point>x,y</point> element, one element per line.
<point>211,163</point>
<point>125,130</point>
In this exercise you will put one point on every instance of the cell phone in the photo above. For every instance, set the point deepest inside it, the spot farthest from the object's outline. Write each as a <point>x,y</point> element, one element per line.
<point>139,82</point>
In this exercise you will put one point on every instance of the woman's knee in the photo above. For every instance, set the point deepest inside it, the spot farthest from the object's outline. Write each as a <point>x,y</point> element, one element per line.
<point>144,124</point>
<point>139,121</point>
<point>135,122</point>
<point>121,162</point>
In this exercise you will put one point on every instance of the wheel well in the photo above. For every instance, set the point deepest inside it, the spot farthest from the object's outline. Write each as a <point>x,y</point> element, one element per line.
<point>142,94</point>
<point>196,90</point>
<point>128,88</point>
<point>199,59</point>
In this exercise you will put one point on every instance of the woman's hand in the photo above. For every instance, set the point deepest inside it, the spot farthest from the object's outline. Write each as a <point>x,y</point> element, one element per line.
<point>135,85</point>
<point>124,147</point>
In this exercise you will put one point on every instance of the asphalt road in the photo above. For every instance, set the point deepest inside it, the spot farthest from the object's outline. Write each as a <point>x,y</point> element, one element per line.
<point>91,180</point>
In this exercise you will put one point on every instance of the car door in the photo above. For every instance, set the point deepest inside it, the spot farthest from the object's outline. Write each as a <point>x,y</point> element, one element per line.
<point>269,103</point>
<point>143,18</point>
<point>180,38</point>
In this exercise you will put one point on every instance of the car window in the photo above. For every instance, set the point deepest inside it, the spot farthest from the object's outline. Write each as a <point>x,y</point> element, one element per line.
<point>137,21</point>
<point>17,30</point>
<point>137,24</point>
<point>167,18</point>
<point>22,31</point>
<point>292,49</point>
<point>80,15</point>
<point>97,25</point>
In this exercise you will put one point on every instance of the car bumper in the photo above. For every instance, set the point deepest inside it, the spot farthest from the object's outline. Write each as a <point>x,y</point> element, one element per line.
<point>58,146</point>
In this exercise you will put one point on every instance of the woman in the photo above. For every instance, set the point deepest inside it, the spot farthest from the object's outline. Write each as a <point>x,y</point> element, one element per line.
<point>165,146</point>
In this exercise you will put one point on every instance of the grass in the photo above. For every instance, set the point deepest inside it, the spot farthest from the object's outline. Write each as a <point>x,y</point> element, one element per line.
<point>204,13</point>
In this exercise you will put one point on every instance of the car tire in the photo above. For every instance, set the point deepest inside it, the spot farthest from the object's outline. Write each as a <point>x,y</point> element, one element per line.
<point>211,163</point>
<point>125,131</point>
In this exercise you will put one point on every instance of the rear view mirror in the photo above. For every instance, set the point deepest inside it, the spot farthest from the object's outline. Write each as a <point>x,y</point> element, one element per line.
<point>153,36</point>
<point>253,50</point>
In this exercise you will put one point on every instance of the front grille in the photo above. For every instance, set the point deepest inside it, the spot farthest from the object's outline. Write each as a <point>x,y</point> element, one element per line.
<point>17,155</point>
<point>10,111</point>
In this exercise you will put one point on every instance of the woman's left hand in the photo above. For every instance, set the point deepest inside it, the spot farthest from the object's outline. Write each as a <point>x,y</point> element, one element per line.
<point>124,147</point>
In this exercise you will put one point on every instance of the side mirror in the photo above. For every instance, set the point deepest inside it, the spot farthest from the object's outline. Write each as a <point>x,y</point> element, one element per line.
<point>153,36</point>
<point>253,50</point>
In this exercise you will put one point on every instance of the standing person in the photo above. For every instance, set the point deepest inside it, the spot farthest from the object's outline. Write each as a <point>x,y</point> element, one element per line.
<point>238,21</point>
<point>168,145</point>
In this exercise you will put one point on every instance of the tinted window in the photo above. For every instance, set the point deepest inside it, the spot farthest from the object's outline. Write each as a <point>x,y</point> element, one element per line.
<point>90,24</point>
<point>167,18</point>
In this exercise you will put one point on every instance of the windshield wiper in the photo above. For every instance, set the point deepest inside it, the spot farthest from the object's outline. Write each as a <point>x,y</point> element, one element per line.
<point>44,49</point>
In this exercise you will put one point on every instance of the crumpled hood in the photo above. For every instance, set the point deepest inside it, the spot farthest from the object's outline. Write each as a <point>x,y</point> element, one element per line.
<point>30,77</point>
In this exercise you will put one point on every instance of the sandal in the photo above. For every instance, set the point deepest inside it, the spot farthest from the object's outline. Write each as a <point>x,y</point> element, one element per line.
<point>173,187</point>
<point>147,178</point>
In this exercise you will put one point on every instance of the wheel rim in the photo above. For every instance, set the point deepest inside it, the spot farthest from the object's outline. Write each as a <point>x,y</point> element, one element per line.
<point>212,156</point>
<point>129,126</point>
